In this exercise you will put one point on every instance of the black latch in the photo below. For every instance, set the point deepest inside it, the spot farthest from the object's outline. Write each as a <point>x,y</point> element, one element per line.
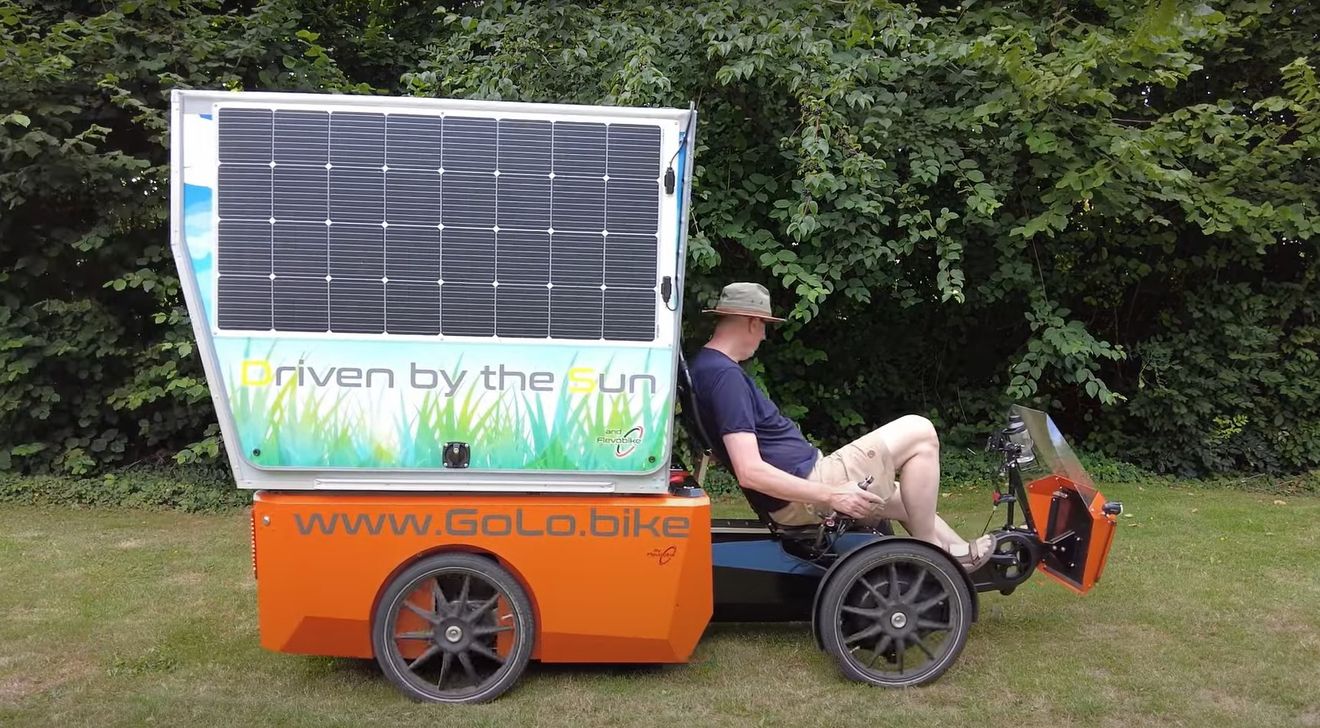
<point>457,454</point>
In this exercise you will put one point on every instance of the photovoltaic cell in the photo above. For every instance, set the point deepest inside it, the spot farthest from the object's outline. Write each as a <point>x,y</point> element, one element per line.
<point>467,199</point>
<point>522,310</point>
<point>522,256</point>
<point>411,224</point>
<point>524,147</point>
<point>301,249</point>
<point>246,136</point>
<point>412,307</point>
<point>576,312</point>
<point>245,191</point>
<point>469,144</point>
<point>302,137</point>
<point>304,303</point>
<point>300,192</point>
<point>467,309</point>
<point>357,139</point>
<point>523,201</point>
<point>357,305</point>
<point>412,196</point>
<point>577,259</point>
<point>357,251</point>
<point>467,256</point>
<point>357,194</point>
<point>412,142</point>
<point>412,253</point>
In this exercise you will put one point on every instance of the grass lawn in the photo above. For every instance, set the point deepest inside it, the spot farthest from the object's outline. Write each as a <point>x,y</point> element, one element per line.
<point>1209,614</point>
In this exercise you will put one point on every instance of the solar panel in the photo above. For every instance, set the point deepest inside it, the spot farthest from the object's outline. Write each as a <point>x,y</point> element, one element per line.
<point>462,225</point>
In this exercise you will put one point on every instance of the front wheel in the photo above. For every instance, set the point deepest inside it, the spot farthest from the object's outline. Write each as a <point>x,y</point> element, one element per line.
<point>896,615</point>
<point>453,628</point>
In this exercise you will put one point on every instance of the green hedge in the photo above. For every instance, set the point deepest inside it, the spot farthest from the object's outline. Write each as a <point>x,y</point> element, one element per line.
<point>191,489</point>
<point>211,489</point>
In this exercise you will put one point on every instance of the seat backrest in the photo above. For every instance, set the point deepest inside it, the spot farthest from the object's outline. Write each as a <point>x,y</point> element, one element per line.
<point>689,412</point>
<point>689,416</point>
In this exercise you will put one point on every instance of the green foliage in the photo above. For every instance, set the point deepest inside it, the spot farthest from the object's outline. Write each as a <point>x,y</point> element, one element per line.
<point>1014,197</point>
<point>96,352</point>
<point>1233,381</point>
<point>191,489</point>
<point>1107,209</point>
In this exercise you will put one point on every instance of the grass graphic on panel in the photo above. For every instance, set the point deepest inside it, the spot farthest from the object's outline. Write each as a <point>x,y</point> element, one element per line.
<point>284,425</point>
<point>287,425</point>
<point>441,419</point>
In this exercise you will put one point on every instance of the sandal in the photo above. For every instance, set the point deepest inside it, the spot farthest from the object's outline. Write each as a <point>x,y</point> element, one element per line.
<point>974,554</point>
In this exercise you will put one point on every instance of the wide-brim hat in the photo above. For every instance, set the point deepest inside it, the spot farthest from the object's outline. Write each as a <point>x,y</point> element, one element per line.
<point>744,299</point>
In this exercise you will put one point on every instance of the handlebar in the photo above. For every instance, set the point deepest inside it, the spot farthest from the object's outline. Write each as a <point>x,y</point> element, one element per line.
<point>835,517</point>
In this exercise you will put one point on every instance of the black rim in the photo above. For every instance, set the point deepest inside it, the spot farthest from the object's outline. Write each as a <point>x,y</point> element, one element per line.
<point>452,633</point>
<point>899,620</point>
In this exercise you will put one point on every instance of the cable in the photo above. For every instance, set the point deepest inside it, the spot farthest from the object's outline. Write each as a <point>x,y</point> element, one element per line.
<point>670,178</point>
<point>667,287</point>
<point>986,527</point>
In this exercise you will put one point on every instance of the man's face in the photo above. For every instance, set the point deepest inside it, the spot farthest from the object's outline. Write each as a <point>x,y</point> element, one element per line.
<point>755,335</point>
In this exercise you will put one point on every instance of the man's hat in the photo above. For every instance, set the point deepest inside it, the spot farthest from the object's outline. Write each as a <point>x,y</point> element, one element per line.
<point>744,299</point>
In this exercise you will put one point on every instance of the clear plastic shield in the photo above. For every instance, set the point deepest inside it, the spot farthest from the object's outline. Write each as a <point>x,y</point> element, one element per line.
<point>1052,452</point>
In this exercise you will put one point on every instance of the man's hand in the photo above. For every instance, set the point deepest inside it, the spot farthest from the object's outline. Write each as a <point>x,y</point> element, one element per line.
<point>851,500</point>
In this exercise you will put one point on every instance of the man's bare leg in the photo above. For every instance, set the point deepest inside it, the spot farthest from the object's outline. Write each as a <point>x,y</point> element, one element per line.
<point>915,447</point>
<point>894,510</point>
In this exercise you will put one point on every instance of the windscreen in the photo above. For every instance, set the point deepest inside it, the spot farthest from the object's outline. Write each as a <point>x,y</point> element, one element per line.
<point>1052,452</point>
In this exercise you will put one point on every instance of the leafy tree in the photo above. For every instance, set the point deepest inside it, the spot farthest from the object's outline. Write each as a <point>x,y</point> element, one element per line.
<point>1107,208</point>
<point>96,359</point>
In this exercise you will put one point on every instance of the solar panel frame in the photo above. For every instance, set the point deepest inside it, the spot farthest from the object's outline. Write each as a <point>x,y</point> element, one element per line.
<point>193,187</point>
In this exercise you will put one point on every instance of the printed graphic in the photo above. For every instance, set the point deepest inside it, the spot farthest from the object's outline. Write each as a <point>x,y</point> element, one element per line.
<point>393,404</point>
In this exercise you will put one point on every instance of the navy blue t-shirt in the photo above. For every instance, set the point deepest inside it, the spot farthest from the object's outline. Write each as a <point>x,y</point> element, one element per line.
<point>731,402</point>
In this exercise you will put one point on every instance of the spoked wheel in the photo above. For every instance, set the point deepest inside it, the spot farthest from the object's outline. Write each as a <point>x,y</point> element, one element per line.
<point>895,616</point>
<point>453,628</point>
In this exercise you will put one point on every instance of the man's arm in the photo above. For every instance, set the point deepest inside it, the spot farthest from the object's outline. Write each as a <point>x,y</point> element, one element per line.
<point>755,473</point>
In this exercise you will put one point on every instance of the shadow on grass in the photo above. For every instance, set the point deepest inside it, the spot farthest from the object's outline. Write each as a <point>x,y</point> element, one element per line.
<point>355,670</point>
<point>773,630</point>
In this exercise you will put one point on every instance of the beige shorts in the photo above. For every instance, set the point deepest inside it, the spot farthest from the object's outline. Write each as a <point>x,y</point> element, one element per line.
<point>867,455</point>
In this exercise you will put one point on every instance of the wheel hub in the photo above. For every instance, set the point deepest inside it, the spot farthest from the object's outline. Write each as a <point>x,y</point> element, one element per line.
<point>454,633</point>
<point>898,619</point>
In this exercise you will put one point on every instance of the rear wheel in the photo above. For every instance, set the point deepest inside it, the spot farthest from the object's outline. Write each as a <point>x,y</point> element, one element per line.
<point>896,615</point>
<point>453,628</point>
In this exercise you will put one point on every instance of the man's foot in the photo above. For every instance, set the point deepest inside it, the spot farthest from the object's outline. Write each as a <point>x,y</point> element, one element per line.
<point>975,554</point>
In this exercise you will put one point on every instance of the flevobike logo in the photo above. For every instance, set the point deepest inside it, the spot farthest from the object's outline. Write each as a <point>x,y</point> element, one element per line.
<point>624,442</point>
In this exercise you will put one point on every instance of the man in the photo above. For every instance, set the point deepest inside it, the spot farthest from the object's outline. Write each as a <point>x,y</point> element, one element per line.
<point>788,478</point>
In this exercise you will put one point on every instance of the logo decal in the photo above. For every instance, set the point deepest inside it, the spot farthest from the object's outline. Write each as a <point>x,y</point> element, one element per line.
<point>624,441</point>
<point>663,557</point>
<point>631,439</point>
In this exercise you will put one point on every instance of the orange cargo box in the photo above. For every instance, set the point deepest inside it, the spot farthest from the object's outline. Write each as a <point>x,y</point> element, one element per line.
<point>611,579</point>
